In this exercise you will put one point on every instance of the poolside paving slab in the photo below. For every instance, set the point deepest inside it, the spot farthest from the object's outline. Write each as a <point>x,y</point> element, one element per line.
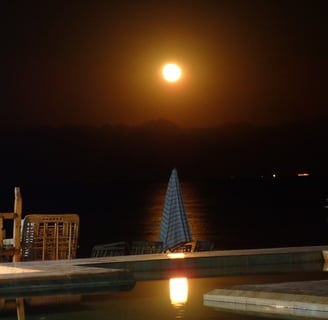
<point>303,299</point>
<point>37,278</point>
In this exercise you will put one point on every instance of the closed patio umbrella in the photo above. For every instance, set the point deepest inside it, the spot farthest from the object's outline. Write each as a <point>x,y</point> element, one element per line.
<point>174,228</point>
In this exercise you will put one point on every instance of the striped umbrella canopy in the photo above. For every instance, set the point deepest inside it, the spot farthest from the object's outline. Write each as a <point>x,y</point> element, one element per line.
<point>174,228</point>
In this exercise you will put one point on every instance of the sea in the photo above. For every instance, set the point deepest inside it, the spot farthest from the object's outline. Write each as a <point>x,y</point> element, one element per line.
<point>232,212</point>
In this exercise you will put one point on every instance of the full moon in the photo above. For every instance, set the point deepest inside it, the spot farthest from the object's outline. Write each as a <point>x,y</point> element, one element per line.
<point>171,72</point>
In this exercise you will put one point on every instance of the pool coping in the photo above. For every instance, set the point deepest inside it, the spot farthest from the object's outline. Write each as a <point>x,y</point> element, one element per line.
<point>123,271</point>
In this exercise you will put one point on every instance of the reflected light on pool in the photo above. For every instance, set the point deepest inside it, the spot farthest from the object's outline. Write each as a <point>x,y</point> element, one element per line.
<point>178,290</point>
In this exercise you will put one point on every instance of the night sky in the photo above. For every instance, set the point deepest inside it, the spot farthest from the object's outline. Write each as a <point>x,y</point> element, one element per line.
<point>96,63</point>
<point>84,107</point>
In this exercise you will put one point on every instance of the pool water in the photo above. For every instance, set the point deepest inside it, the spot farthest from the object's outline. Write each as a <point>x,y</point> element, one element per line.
<point>153,300</point>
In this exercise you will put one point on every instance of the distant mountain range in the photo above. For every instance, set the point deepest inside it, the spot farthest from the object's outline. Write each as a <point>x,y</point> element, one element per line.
<point>151,150</point>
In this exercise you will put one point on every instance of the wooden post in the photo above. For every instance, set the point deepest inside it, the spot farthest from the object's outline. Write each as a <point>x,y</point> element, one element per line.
<point>2,236</point>
<point>17,224</point>
<point>20,308</point>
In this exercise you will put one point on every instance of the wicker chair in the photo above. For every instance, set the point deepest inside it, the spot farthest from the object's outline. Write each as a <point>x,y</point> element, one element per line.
<point>187,247</point>
<point>110,249</point>
<point>204,245</point>
<point>146,247</point>
<point>50,236</point>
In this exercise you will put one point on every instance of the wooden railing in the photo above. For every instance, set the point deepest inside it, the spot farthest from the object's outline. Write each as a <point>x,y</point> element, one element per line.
<point>10,248</point>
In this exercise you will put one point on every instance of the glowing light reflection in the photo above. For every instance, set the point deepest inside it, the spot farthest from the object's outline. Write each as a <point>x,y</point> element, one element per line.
<point>178,290</point>
<point>176,255</point>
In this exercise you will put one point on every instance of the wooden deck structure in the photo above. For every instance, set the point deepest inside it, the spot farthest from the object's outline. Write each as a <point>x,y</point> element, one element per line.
<point>36,237</point>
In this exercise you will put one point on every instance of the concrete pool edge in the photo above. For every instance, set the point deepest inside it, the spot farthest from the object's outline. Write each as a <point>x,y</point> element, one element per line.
<point>301,299</point>
<point>216,263</point>
<point>153,266</point>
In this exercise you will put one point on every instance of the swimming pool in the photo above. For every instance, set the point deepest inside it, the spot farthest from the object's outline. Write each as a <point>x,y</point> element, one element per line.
<point>152,299</point>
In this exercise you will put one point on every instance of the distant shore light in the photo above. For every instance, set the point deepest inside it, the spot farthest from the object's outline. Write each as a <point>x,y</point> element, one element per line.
<point>303,174</point>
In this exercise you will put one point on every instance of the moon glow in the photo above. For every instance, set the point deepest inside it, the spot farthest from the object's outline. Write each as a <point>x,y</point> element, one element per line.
<point>171,72</point>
